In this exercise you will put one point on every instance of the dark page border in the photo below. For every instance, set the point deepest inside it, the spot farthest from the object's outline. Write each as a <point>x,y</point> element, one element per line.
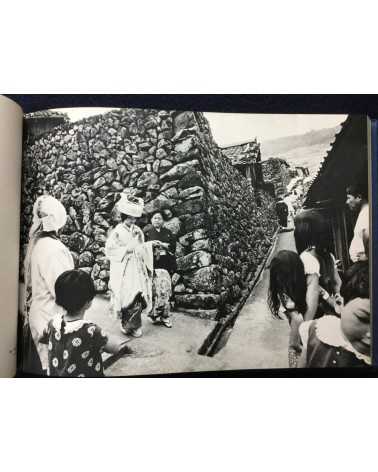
<point>275,103</point>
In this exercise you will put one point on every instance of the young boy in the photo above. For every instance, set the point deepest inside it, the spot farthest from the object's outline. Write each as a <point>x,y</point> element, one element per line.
<point>74,344</point>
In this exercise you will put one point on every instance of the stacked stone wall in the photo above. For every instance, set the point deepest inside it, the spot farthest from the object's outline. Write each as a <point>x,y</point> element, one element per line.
<point>171,161</point>
<point>276,172</point>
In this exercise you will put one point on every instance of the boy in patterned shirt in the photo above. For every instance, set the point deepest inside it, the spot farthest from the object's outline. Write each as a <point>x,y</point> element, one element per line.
<point>74,344</point>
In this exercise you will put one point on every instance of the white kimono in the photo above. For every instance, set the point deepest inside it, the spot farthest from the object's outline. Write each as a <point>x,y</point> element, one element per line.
<point>131,266</point>
<point>49,259</point>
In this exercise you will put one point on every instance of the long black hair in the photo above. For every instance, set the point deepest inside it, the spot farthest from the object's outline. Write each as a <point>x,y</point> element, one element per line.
<point>287,277</point>
<point>311,231</point>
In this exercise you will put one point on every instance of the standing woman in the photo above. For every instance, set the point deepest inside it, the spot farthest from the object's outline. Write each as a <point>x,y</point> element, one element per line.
<point>46,258</point>
<point>164,268</point>
<point>131,267</point>
<point>322,278</point>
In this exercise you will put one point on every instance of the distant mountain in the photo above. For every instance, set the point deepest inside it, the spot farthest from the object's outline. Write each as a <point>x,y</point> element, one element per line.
<point>306,150</point>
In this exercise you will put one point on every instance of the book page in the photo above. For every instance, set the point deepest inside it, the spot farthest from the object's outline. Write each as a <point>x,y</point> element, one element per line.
<point>187,241</point>
<point>10,192</point>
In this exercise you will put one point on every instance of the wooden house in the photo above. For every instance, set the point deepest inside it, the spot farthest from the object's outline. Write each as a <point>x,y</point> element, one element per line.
<point>346,163</point>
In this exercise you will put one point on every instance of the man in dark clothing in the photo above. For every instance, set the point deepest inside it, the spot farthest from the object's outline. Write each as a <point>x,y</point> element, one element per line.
<point>282,212</point>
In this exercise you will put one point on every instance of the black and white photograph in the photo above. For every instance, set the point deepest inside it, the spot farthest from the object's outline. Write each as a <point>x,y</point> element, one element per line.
<point>165,242</point>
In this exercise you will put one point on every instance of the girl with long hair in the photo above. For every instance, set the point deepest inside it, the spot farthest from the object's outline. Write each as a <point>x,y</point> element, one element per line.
<point>322,278</point>
<point>287,295</point>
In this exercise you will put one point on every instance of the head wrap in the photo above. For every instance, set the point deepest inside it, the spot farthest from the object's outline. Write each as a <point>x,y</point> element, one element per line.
<point>49,215</point>
<point>130,205</point>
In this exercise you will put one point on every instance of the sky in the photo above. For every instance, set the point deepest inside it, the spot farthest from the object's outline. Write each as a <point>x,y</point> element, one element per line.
<point>233,128</point>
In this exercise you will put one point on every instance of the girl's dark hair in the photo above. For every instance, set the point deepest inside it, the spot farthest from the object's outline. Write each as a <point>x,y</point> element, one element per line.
<point>356,282</point>
<point>312,230</point>
<point>287,277</point>
<point>73,289</point>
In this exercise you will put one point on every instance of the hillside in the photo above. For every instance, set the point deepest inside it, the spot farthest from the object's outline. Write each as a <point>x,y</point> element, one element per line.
<point>305,150</point>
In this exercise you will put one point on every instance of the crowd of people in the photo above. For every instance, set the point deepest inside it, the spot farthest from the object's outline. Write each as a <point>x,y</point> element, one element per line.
<point>59,340</point>
<point>328,311</point>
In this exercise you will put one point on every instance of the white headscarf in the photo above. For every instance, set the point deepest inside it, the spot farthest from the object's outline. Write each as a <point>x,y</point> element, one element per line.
<point>49,215</point>
<point>130,205</point>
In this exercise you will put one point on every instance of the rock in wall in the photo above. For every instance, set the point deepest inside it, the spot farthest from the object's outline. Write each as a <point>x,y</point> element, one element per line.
<point>172,162</point>
<point>241,225</point>
<point>278,173</point>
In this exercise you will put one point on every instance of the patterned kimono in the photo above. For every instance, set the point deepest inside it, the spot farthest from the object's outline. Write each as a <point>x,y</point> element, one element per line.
<point>131,269</point>
<point>74,348</point>
<point>161,294</point>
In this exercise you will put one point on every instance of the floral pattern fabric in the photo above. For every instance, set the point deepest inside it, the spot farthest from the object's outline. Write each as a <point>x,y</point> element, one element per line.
<point>74,348</point>
<point>161,293</point>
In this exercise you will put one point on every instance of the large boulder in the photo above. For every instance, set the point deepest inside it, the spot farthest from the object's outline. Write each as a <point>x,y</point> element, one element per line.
<point>174,225</point>
<point>198,300</point>
<point>193,222</point>
<point>86,259</point>
<point>190,238</point>
<point>189,207</point>
<point>159,203</point>
<point>180,170</point>
<point>77,242</point>
<point>193,178</point>
<point>147,179</point>
<point>191,192</point>
<point>201,245</point>
<point>205,279</point>
<point>193,261</point>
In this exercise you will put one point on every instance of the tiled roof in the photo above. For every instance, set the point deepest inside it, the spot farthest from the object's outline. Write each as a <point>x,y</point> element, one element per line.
<point>244,153</point>
<point>342,164</point>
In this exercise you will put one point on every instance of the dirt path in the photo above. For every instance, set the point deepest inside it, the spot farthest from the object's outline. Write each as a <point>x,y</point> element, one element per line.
<point>258,341</point>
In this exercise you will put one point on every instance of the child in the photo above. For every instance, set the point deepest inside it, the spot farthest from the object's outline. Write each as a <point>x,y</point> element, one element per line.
<point>345,342</point>
<point>287,293</point>
<point>356,282</point>
<point>334,342</point>
<point>75,344</point>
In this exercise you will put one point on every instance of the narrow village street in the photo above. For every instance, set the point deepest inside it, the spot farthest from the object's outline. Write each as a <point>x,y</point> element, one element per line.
<point>258,341</point>
<point>160,350</point>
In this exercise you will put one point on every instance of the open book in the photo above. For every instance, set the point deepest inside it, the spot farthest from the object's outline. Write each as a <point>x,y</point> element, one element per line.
<point>144,242</point>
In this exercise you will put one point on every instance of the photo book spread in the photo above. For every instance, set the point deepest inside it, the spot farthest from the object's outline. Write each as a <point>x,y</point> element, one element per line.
<point>142,242</point>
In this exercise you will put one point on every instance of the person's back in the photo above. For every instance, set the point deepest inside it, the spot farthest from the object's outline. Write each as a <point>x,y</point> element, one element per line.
<point>49,259</point>
<point>75,345</point>
<point>311,235</point>
<point>75,348</point>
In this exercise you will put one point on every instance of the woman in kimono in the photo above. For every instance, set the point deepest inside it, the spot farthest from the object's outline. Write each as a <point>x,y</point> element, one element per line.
<point>131,267</point>
<point>46,258</point>
<point>164,268</point>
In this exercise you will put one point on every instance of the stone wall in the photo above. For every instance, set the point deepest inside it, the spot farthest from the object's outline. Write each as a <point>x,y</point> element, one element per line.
<point>277,173</point>
<point>170,160</point>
